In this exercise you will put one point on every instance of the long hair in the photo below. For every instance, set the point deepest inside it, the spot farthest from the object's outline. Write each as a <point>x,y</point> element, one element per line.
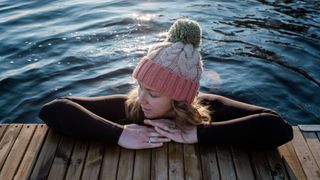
<point>185,114</point>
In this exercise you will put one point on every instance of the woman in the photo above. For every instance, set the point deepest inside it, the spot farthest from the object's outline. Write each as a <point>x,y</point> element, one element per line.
<point>166,105</point>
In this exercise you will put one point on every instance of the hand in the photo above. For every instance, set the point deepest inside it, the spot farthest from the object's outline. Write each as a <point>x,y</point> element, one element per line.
<point>140,137</point>
<point>168,129</point>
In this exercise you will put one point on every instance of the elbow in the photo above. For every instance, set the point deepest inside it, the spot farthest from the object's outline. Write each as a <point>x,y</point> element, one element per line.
<point>288,133</point>
<point>49,109</point>
<point>46,111</point>
<point>280,131</point>
<point>50,112</point>
<point>285,129</point>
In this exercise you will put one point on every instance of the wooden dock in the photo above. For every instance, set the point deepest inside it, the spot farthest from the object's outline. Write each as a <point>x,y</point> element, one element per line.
<point>32,151</point>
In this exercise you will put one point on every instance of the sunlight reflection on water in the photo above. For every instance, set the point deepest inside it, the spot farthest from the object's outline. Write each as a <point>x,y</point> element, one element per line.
<point>256,51</point>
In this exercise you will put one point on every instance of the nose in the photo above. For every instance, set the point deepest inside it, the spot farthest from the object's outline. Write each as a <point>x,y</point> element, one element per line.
<point>142,97</point>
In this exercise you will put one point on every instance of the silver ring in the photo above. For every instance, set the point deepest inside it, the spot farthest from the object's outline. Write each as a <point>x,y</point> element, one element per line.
<point>149,141</point>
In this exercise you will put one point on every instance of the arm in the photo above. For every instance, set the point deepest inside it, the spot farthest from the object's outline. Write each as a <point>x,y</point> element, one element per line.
<point>239,123</point>
<point>86,117</point>
<point>259,131</point>
<point>251,126</point>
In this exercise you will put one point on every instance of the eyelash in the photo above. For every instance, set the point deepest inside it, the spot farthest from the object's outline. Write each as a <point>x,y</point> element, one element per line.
<point>152,95</point>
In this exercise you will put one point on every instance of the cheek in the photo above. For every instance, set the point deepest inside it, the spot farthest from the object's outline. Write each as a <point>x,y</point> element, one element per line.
<point>162,107</point>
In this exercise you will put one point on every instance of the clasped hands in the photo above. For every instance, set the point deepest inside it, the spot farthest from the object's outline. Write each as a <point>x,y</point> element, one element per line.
<point>163,130</point>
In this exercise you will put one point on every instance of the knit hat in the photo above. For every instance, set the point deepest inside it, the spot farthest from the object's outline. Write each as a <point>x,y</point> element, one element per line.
<point>174,67</point>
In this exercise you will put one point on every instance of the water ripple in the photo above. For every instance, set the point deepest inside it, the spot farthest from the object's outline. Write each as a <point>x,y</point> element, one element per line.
<point>254,51</point>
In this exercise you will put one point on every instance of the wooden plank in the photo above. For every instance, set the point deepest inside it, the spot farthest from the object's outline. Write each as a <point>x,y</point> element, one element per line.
<point>308,163</point>
<point>110,162</point>
<point>17,152</point>
<point>192,164</point>
<point>300,158</point>
<point>46,156</point>
<point>260,165</point>
<point>309,127</point>
<point>3,128</point>
<point>93,161</point>
<point>277,167</point>
<point>142,164</point>
<point>126,161</point>
<point>32,151</point>
<point>60,163</point>
<point>7,142</point>
<point>242,163</point>
<point>159,164</point>
<point>209,163</point>
<point>291,162</point>
<point>314,145</point>
<point>77,160</point>
<point>225,162</point>
<point>176,169</point>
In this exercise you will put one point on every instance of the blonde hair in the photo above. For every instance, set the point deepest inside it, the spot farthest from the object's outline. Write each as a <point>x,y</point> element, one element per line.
<point>185,114</point>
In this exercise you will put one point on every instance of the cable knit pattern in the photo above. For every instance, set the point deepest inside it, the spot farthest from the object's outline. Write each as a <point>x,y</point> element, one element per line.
<point>178,57</point>
<point>175,67</point>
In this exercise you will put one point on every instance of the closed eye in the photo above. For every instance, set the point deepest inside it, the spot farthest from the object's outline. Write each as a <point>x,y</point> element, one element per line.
<point>153,95</point>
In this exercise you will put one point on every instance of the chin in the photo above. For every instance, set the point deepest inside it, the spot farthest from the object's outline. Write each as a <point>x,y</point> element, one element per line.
<point>149,116</point>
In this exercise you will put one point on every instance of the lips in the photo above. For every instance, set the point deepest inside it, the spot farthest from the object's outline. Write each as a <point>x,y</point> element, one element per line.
<point>145,109</point>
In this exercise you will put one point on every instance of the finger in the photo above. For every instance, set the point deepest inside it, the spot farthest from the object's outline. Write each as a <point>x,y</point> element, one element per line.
<point>159,139</point>
<point>168,121</point>
<point>169,130</point>
<point>152,145</point>
<point>132,126</point>
<point>161,122</point>
<point>154,134</point>
<point>148,122</point>
<point>164,132</point>
<point>160,125</point>
<point>151,130</point>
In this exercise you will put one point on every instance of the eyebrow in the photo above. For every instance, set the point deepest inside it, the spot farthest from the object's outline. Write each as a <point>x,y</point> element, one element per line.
<point>147,88</point>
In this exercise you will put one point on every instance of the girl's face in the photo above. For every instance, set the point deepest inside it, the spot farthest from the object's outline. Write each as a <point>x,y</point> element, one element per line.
<point>153,104</point>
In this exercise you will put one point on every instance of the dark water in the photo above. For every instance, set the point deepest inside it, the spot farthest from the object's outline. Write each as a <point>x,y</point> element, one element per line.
<point>261,52</point>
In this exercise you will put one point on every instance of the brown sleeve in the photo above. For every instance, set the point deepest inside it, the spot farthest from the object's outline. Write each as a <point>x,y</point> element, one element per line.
<point>99,118</point>
<point>243,124</point>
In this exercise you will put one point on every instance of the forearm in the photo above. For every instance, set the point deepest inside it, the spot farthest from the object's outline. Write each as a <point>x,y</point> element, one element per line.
<point>263,130</point>
<point>69,118</point>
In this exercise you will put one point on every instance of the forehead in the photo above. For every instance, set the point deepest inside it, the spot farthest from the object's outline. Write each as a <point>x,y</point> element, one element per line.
<point>144,86</point>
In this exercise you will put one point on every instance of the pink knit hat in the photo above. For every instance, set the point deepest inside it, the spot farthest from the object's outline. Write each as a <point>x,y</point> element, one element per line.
<point>174,67</point>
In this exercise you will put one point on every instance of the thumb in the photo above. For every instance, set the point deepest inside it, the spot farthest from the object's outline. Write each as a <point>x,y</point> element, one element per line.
<point>164,133</point>
<point>149,122</point>
<point>146,121</point>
